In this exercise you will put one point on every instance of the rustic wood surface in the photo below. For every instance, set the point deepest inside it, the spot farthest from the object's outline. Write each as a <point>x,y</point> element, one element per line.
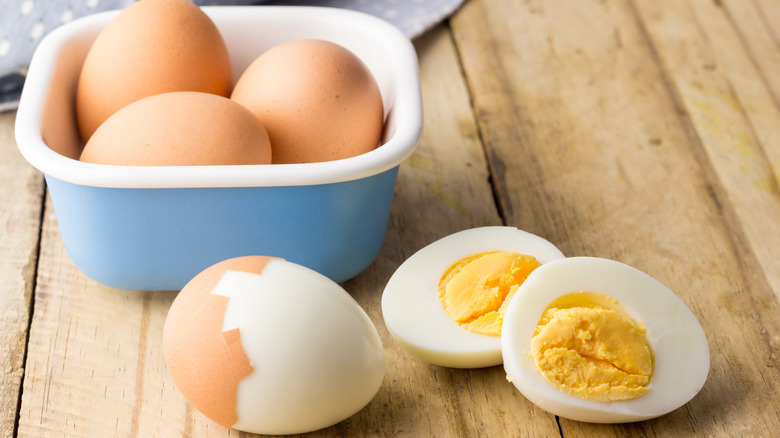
<point>642,131</point>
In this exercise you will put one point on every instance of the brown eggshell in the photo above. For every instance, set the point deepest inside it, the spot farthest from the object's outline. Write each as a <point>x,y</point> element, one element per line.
<point>180,128</point>
<point>205,363</point>
<point>318,101</point>
<point>151,47</point>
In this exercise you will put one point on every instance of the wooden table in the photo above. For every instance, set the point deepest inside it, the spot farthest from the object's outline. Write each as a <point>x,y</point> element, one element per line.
<point>642,131</point>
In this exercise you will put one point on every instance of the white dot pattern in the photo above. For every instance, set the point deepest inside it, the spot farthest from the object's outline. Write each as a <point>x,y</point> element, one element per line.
<point>26,7</point>
<point>37,31</point>
<point>5,46</point>
<point>67,15</point>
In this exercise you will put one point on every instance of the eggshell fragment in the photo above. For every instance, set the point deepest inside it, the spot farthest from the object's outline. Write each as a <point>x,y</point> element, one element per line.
<point>206,363</point>
<point>151,47</point>
<point>318,101</point>
<point>267,346</point>
<point>180,128</point>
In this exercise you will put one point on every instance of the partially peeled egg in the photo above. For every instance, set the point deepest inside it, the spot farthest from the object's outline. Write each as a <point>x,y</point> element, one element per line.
<point>446,302</point>
<point>263,345</point>
<point>598,341</point>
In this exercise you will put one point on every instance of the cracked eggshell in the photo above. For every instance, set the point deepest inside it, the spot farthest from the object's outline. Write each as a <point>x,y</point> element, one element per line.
<point>267,346</point>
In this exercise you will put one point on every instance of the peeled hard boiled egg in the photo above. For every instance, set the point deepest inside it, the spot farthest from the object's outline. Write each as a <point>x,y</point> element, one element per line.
<point>445,303</point>
<point>151,47</point>
<point>267,346</point>
<point>595,340</point>
<point>318,101</point>
<point>177,129</point>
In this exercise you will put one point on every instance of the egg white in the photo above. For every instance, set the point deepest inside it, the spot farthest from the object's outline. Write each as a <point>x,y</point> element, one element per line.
<point>317,357</point>
<point>413,314</point>
<point>681,354</point>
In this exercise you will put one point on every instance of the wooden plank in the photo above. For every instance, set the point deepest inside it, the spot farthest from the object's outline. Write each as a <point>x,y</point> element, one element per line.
<point>88,351</point>
<point>95,364</point>
<point>442,189</point>
<point>732,112</point>
<point>756,24</point>
<point>764,34</point>
<point>21,201</point>
<point>590,147</point>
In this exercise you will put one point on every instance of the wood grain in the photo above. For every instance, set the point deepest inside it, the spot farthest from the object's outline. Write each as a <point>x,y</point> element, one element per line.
<point>732,112</point>
<point>448,176</point>
<point>630,145</point>
<point>21,193</point>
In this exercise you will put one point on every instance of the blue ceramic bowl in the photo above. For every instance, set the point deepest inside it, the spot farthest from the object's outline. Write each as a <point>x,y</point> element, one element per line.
<point>155,227</point>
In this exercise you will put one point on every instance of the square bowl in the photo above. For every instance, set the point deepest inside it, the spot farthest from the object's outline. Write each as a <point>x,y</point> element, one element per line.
<point>153,228</point>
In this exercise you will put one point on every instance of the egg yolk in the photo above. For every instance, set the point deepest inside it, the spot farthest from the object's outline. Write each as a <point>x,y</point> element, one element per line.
<point>586,347</point>
<point>476,290</point>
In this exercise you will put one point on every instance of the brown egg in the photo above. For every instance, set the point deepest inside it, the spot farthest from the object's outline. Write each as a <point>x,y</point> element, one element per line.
<point>180,128</point>
<point>205,362</point>
<point>318,101</point>
<point>151,47</point>
<point>267,346</point>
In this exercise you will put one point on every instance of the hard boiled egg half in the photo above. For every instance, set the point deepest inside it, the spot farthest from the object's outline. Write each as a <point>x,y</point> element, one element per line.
<point>596,340</point>
<point>267,346</point>
<point>446,302</point>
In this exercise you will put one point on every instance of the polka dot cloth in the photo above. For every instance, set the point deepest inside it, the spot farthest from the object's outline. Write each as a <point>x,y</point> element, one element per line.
<point>24,22</point>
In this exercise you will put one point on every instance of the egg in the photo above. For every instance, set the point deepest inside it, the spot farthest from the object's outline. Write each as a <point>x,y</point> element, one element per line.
<point>179,128</point>
<point>598,341</point>
<point>267,346</point>
<point>150,47</point>
<point>446,302</point>
<point>318,101</point>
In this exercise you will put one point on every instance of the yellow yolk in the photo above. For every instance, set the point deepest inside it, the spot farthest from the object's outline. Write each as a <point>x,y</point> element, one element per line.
<point>586,347</point>
<point>475,290</point>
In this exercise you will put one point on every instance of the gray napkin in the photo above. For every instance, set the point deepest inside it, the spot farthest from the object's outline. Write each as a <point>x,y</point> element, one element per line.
<point>24,22</point>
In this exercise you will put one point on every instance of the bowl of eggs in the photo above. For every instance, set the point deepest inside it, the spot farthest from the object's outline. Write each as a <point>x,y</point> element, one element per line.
<point>173,137</point>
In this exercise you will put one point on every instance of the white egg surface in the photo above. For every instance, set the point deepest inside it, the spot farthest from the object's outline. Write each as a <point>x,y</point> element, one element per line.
<point>413,309</point>
<point>602,387</point>
<point>267,346</point>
